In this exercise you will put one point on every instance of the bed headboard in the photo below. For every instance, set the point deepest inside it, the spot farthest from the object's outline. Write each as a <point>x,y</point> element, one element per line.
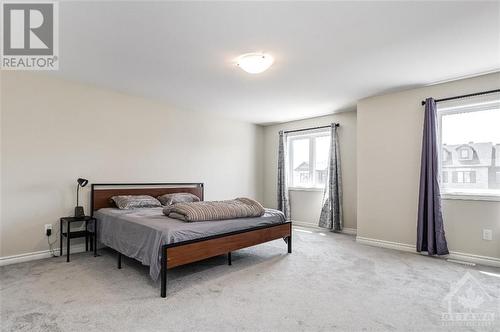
<point>102,192</point>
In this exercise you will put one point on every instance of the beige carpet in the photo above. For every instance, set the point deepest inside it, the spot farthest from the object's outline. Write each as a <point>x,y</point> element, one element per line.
<point>329,283</point>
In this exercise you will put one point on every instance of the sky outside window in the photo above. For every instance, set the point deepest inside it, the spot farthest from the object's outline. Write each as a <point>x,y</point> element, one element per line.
<point>477,127</point>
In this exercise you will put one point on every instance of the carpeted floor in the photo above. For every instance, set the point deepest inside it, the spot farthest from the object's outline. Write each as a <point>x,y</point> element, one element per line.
<point>329,283</point>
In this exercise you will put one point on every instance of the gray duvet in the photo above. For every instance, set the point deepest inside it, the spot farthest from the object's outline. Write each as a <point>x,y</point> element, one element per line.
<point>140,233</point>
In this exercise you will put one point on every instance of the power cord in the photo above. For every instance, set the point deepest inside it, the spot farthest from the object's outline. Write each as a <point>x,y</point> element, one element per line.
<point>51,244</point>
<point>48,234</point>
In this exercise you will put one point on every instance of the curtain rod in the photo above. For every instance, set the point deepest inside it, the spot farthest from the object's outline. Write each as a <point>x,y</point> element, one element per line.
<point>312,128</point>
<point>464,96</point>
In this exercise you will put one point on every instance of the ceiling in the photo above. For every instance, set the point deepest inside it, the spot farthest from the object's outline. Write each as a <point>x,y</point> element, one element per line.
<point>327,55</point>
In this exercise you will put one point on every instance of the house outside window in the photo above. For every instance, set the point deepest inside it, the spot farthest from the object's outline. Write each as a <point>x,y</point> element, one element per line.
<point>446,155</point>
<point>444,177</point>
<point>308,159</point>
<point>469,137</point>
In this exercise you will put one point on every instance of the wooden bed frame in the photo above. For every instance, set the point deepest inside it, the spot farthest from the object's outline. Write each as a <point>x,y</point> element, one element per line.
<point>180,253</point>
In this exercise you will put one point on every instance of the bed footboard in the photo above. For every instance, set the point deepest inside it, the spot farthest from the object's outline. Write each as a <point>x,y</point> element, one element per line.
<point>185,252</point>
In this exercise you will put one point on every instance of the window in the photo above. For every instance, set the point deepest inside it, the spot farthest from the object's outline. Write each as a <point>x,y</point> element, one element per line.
<point>463,177</point>
<point>321,149</point>
<point>464,153</point>
<point>300,167</point>
<point>308,159</point>
<point>470,145</point>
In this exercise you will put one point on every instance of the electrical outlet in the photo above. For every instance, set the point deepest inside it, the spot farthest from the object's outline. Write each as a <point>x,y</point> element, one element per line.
<point>48,229</point>
<point>487,234</point>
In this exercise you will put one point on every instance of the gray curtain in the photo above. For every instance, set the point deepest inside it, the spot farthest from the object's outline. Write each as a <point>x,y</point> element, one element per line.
<point>430,229</point>
<point>283,202</point>
<point>331,213</point>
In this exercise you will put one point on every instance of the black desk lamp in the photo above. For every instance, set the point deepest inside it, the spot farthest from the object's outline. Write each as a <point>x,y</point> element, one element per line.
<point>79,213</point>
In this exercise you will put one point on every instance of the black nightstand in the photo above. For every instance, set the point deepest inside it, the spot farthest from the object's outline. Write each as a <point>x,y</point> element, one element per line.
<point>71,235</point>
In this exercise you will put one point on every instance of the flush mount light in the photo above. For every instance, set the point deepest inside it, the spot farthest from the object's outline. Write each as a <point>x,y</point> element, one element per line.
<point>255,63</point>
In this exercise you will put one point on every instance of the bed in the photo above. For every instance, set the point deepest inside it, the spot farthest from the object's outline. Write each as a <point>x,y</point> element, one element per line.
<point>162,243</point>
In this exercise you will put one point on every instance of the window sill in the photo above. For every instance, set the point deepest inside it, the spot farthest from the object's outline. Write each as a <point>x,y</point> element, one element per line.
<point>305,189</point>
<point>468,197</point>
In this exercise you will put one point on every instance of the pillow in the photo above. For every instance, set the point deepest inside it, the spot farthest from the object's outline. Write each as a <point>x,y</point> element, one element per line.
<point>135,201</point>
<point>169,199</point>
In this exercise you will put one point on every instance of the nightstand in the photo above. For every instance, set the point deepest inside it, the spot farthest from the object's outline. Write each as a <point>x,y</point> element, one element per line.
<point>85,233</point>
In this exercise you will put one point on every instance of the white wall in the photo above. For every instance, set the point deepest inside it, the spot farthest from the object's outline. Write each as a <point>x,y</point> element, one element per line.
<point>306,205</point>
<point>389,147</point>
<point>54,131</point>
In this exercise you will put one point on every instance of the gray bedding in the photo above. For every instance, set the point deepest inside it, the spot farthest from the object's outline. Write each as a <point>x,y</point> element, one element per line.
<point>140,233</point>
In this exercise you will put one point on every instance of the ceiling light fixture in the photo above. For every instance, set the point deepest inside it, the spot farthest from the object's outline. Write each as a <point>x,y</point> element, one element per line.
<point>255,63</point>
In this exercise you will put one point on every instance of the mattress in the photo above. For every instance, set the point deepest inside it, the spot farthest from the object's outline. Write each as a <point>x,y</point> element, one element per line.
<point>140,233</point>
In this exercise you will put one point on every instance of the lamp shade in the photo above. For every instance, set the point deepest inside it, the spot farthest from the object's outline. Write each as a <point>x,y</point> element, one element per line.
<point>82,182</point>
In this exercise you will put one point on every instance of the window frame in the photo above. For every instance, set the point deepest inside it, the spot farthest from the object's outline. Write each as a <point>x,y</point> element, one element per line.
<point>312,159</point>
<point>457,195</point>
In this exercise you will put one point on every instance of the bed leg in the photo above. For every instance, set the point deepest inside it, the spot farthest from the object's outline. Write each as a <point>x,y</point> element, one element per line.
<point>119,260</point>
<point>289,242</point>
<point>229,261</point>
<point>164,272</point>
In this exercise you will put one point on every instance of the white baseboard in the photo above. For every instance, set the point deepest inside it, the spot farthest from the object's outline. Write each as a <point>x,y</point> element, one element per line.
<point>30,256</point>
<point>386,244</point>
<point>351,231</point>
<point>304,224</point>
<point>477,259</point>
